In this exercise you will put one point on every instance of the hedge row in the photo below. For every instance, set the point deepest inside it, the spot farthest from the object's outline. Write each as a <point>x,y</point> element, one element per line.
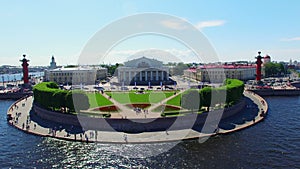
<point>228,94</point>
<point>49,96</point>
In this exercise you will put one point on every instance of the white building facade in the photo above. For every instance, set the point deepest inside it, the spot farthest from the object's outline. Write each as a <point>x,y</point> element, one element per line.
<point>220,72</point>
<point>75,75</point>
<point>143,71</point>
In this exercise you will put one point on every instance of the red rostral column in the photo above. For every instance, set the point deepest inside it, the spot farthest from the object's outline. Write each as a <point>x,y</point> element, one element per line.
<point>258,67</point>
<point>25,69</point>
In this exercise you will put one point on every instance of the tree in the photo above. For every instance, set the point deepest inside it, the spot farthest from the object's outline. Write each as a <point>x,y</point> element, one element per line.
<point>235,89</point>
<point>220,95</point>
<point>274,69</point>
<point>206,97</point>
<point>191,100</point>
<point>48,95</point>
<point>58,98</point>
<point>76,101</point>
<point>43,93</point>
<point>179,68</point>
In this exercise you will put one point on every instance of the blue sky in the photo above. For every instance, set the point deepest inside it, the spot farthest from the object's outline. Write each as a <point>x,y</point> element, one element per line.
<point>236,29</point>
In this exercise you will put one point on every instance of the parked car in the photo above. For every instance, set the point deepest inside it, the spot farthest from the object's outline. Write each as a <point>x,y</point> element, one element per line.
<point>99,88</point>
<point>124,88</point>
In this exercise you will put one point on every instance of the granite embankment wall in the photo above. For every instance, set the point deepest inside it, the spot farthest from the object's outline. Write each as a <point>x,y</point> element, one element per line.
<point>13,95</point>
<point>277,92</point>
<point>193,120</point>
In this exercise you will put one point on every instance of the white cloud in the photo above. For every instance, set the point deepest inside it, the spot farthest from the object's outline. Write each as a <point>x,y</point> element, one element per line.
<point>182,25</point>
<point>291,39</point>
<point>213,23</point>
<point>174,24</point>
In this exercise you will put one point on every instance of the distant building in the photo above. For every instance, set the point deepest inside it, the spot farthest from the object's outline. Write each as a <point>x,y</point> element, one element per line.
<point>52,63</point>
<point>217,73</point>
<point>267,59</point>
<point>143,71</point>
<point>76,75</point>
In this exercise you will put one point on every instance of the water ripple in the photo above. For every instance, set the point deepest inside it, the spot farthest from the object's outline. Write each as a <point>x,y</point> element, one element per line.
<point>274,143</point>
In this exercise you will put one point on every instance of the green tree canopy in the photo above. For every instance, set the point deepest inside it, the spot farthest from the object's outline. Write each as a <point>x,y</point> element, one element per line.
<point>191,100</point>
<point>274,69</point>
<point>206,96</point>
<point>49,96</point>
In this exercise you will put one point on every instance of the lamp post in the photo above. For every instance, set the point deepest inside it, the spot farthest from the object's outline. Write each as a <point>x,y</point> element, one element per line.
<point>3,80</point>
<point>15,80</point>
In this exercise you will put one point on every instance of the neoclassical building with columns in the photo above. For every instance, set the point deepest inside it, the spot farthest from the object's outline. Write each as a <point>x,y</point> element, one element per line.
<point>143,71</point>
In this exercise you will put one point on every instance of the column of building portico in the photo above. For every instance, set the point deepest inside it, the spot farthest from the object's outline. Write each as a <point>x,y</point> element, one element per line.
<point>129,76</point>
<point>157,75</point>
<point>151,75</point>
<point>168,75</point>
<point>124,76</point>
<point>146,76</point>
<point>141,76</point>
<point>162,75</point>
<point>134,74</point>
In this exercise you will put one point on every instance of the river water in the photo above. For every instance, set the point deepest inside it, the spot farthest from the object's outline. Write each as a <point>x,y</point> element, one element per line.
<point>18,76</point>
<point>273,143</point>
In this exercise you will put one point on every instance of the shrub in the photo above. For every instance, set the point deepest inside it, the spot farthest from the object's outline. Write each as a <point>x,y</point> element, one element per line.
<point>191,100</point>
<point>233,90</point>
<point>49,96</point>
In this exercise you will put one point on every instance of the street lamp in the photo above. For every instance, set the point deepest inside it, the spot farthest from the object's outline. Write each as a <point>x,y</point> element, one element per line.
<point>15,79</point>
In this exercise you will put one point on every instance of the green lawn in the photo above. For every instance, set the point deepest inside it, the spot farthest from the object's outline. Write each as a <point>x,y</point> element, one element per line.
<point>175,101</point>
<point>97,100</point>
<point>132,97</point>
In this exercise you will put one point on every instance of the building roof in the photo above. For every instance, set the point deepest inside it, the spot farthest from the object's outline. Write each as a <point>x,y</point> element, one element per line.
<point>193,69</point>
<point>80,68</point>
<point>143,62</point>
<point>226,66</point>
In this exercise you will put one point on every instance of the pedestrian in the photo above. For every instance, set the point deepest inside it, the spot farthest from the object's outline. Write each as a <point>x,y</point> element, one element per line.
<point>125,138</point>
<point>217,130</point>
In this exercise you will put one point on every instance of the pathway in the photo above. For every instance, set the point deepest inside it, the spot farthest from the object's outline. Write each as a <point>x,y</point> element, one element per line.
<point>262,107</point>
<point>156,105</point>
<point>127,112</point>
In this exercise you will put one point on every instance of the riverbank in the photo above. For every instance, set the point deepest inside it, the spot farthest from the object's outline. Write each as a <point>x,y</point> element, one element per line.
<point>277,92</point>
<point>21,113</point>
<point>15,95</point>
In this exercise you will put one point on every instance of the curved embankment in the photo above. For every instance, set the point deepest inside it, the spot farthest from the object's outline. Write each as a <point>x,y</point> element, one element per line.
<point>277,92</point>
<point>16,95</point>
<point>27,122</point>
<point>138,125</point>
<point>262,108</point>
